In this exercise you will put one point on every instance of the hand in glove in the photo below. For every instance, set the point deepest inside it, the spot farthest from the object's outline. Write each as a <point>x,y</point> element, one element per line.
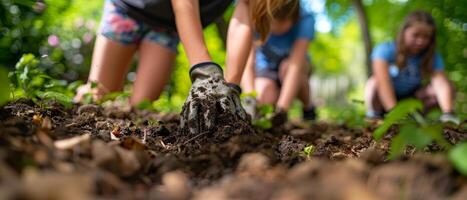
<point>211,100</point>
<point>249,103</point>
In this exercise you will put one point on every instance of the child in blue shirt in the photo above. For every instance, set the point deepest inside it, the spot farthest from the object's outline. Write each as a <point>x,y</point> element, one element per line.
<point>278,69</point>
<point>400,66</point>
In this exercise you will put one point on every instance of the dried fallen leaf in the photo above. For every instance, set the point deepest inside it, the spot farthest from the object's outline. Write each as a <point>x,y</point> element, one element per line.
<point>37,119</point>
<point>132,143</point>
<point>116,133</point>
<point>128,161</point>
<point>46,123</point>
<point>72,142</point>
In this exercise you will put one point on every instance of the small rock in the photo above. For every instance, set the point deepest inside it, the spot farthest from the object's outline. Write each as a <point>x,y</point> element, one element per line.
<point>89,108</point>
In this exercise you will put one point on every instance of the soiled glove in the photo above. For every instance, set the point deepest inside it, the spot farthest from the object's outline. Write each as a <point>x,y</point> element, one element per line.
<point>212,101</point>
<point>249,104</point>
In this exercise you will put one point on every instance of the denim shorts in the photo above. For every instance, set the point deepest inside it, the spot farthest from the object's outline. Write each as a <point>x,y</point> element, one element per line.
<point>272,73</point>
<point>118,26</point>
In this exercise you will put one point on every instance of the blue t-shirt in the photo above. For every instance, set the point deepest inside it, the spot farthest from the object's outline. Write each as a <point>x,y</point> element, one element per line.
<point>278,47</point>
<point>407,80</point>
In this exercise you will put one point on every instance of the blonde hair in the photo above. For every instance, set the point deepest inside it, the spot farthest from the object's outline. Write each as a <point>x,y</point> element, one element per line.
<point>428,57</point>
<point>263,11</point>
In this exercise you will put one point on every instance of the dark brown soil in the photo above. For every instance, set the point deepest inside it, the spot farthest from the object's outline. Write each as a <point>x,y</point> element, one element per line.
<point>88,152</point>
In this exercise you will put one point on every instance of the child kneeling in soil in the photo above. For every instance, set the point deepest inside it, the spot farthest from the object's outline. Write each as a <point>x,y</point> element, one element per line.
<point>153,29</point>
<point>400,66</point>
<point>278,69</point>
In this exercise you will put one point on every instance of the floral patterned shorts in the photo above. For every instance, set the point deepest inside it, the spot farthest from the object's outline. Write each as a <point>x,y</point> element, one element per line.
<point>118,26</point>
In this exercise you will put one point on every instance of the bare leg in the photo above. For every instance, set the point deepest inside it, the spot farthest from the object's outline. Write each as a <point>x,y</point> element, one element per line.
<point>154,68</point>
<point>429,98</point>
<point>372,101</point>
<point>267,90</point>
<point>110,63</point>
<point>443,90</point>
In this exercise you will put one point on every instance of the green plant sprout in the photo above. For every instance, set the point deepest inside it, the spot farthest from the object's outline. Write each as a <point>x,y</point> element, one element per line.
<point>266,113</point>
<point>308,151</point>
<point>419,132</point>
<point>31,82</point>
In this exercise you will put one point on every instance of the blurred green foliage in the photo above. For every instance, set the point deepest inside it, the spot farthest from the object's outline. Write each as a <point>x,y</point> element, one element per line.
<point>30,81</point>
<point>4,86</point>
<point>60,32</point>
<point>418,131</point>
<point>458,157</point>
<point>385,18</point>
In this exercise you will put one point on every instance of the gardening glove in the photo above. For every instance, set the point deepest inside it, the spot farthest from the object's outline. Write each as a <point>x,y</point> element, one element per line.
<point>249,103</point>
<point>449,117</point>
<point>210,98</point>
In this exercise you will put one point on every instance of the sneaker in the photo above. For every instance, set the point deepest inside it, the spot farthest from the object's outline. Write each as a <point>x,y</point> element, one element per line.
<point>373,115</point>
<point>449,118</point>
<point>279,117</point>
<point>309,113</point>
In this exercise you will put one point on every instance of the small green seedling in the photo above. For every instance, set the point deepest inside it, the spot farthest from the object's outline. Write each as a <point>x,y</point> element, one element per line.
<point>145,105</point>
<point>308,151</point>
<point>266,112</point>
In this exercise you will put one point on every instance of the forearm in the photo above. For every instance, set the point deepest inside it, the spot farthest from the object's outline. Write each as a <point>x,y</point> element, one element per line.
<point>291,82</point>
<point>248,78</point>
<point>384,86</point>
<point>290,85</point>
<point>190,31</point>
<point>239,40</point>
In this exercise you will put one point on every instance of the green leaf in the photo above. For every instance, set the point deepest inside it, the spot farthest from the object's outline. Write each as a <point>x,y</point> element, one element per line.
<point>436,132</point>
<point>266,109</point>
<point>458,158</point>
<point>27,60</point>
<point>262,123</point>
<point>110,96</point>
<point>397,146</point>
<point>250,94</point>
<point>73,86</point>
<point>61,98</point>
<point>145,105</point>
<point>418,137</point>
<point>94,85</point>
<point>56,83</point>
<point>309,150</point>
<point>402,109</point>
<point>4,87</point>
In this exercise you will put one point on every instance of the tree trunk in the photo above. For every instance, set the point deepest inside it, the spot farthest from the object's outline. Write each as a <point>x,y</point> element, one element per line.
<point>362,19</point>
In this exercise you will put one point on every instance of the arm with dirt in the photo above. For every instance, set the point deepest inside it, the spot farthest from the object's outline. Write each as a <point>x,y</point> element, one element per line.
<point>383,84</point>
<point>211,100</point>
